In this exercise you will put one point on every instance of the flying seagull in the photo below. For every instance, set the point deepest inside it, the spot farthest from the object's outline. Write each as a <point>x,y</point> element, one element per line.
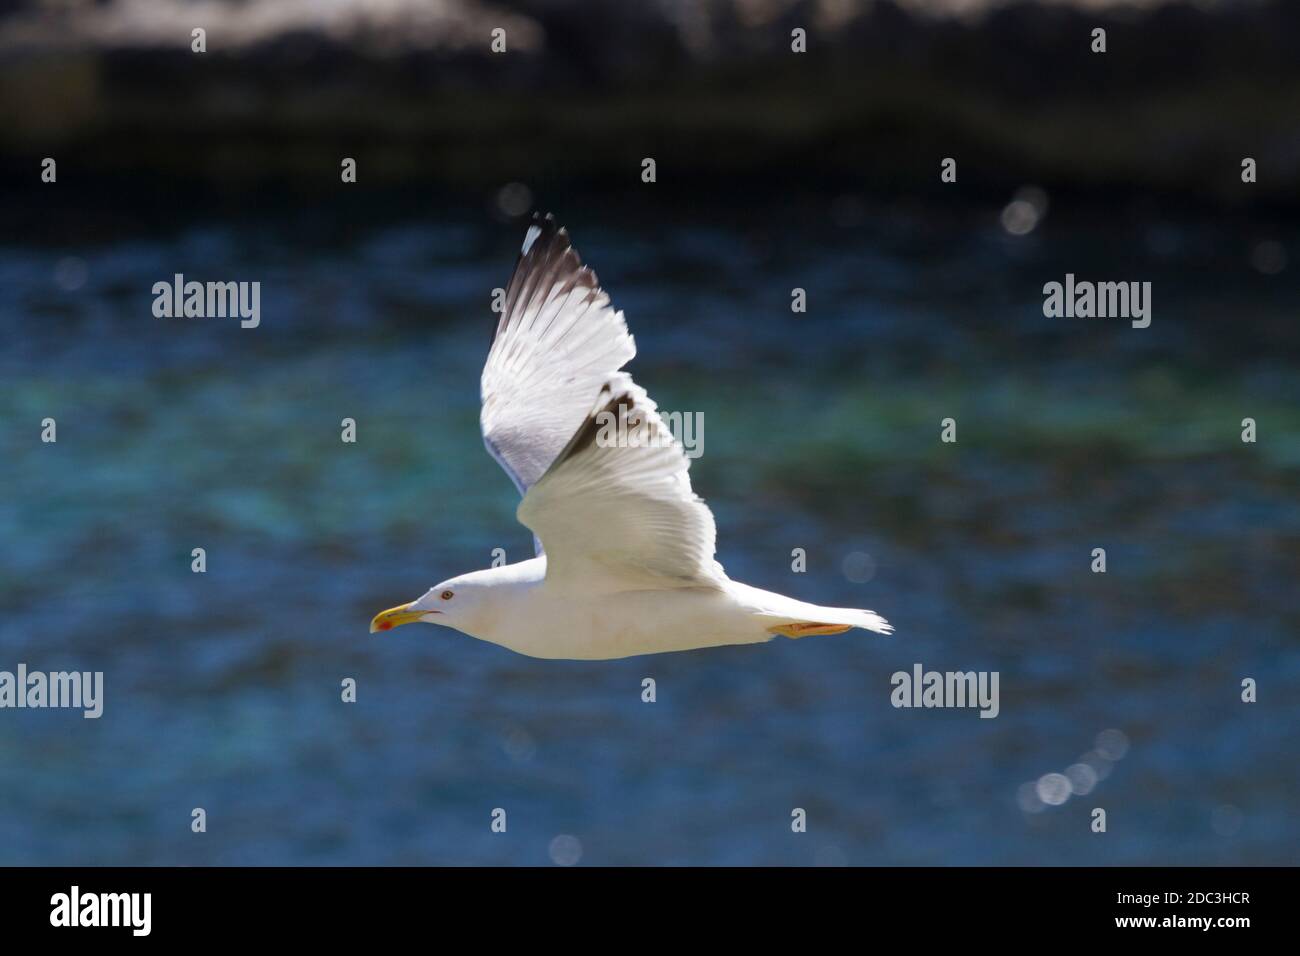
<point>624,562</point>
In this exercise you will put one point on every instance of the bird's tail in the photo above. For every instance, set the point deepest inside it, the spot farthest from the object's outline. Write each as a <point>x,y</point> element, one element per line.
<point>784,615</point>
<point>833,620</point>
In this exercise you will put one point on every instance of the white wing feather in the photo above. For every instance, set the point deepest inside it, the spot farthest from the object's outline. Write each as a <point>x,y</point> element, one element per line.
<point>616,510</point>
<point>603,511</point>
<point>557,343</point>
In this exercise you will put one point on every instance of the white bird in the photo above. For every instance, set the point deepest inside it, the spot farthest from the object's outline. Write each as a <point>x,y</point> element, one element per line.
<point>624,562</point>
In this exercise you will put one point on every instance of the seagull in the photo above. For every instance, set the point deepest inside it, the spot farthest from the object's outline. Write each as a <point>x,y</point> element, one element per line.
<point>624,560</point>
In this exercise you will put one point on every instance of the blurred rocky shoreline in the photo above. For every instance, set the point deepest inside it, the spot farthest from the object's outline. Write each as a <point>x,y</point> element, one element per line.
<point>711,90</point>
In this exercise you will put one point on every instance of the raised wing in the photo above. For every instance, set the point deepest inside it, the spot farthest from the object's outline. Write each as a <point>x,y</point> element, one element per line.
<point>557,344</point>
<point>616,509</point>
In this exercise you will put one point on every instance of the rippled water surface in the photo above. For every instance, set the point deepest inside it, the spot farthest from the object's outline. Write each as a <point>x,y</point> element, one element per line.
<point>821,432</point>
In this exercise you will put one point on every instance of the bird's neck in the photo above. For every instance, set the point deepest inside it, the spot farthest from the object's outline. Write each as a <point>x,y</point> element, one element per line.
<point>504,608</point>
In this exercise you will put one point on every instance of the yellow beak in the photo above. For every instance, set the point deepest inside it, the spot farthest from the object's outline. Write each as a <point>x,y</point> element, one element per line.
<point>395,617</point>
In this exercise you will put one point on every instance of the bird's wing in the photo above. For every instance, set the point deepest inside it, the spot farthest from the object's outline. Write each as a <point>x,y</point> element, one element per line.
<point>616,509</point>
<point>557,344</point>
<point>603,510</point>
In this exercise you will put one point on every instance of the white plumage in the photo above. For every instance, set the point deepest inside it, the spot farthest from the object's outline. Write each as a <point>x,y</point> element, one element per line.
<point>625,560</point>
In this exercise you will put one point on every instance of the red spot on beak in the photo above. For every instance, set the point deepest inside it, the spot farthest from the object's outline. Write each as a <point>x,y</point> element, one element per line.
<point>385,625</point>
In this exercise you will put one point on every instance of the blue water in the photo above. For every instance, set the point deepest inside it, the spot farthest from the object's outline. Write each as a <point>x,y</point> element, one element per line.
<point>821,433</point>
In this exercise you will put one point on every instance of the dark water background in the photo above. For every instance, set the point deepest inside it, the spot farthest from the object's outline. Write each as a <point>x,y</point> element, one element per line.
<point>821,432</point>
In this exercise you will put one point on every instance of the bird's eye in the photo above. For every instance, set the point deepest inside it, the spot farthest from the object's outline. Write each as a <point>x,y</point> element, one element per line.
<point>446,595</point>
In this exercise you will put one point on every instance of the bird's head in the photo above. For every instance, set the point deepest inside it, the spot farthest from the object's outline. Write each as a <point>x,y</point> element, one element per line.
<point>453,603</point>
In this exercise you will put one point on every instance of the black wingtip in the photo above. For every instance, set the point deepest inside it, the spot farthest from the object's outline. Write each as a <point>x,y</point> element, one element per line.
<point>547,244</point>
<point>544,233</point>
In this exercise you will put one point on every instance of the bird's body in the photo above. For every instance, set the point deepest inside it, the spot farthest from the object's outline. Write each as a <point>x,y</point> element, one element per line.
<point>528,615</point>
<point>628,564</point>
